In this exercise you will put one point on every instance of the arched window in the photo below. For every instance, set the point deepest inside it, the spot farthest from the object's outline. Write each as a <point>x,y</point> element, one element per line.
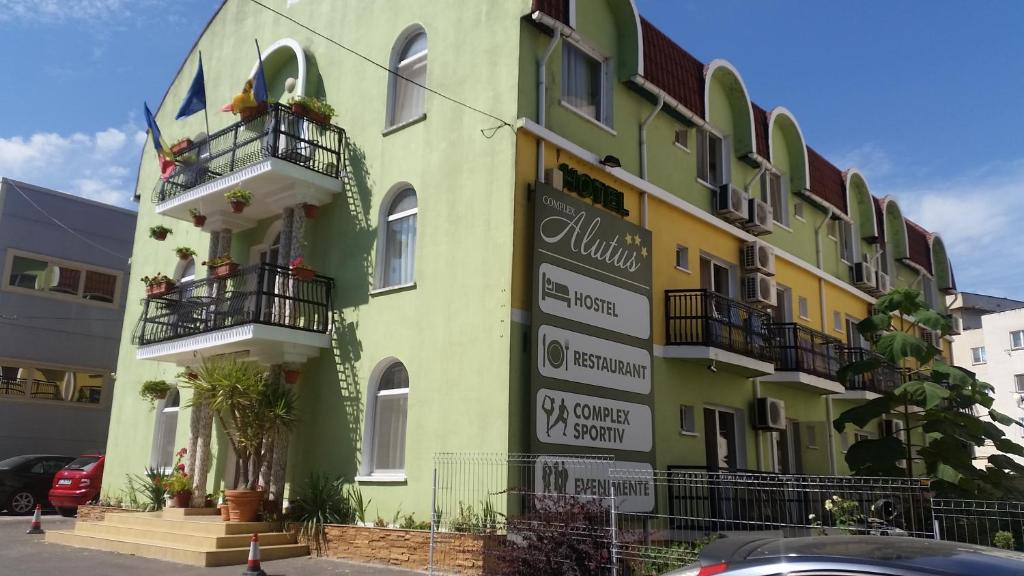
<point>399,239</point>
<point>164,429</point>
<point>386,412</point>
<point>409,62</point>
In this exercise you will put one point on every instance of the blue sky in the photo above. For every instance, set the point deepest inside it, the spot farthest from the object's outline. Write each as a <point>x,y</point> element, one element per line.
<point>922,97</point>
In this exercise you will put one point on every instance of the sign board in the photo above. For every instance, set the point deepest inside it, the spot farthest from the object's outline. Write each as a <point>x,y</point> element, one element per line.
<point>591,353</point>
<point>633,484</point>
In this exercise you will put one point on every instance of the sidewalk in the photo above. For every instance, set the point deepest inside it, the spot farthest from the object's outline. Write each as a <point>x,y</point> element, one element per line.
<point>28,555</point>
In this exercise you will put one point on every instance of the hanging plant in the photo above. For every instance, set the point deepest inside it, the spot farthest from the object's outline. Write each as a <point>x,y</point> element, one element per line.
<point>198,219</point>
<point>221,267</point>
<point>300,271</point>
<point>310,210</point>
<point>184,252</point>
<point>159,233</point>
<point>239,199</point>
<point>153,390</point>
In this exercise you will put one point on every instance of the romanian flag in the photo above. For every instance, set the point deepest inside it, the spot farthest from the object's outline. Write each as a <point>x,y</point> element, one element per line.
<point>163,155</point>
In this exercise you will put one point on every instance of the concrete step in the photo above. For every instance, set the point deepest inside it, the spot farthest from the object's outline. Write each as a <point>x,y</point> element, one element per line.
<point>199,525</point>
<point>183,512</point>
<point>175,553</point>
<point>110,528</point>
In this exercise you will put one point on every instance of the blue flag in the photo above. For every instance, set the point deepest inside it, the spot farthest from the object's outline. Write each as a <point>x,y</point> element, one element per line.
<point>259,84</point>
<point>195,100</point>
<point>154,130</point>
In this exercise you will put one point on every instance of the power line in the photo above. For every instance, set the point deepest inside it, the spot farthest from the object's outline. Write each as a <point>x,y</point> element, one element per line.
<point>63,225</point>
<point>487,132</point>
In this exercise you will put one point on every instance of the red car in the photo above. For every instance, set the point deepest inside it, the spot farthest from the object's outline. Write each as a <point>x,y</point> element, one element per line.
<point>77,483</point>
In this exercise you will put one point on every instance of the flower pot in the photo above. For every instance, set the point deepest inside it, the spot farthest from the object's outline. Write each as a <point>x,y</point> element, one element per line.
<point>303,273</point>
<point>183,499</point>
<point>292,376</point>
<point>310,210</point>
<point>159,289</point>
<point>180,146</point>
<point>244,505</point>
<point>224,270</point>
<point>199,220</point>
<point>159,236</point>
<point>238,206</point>
<point>185,257</point>
<point>252,111</point>
<point>301,110</point>
<point>225,512</point>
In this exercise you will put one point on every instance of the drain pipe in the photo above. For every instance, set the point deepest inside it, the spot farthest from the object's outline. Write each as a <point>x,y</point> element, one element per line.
<point>542,81</point>
<point>670,101</point>
<point>757,433</point>
<point>643,155</point>
<point>824,328</point>
<point>831,436</point>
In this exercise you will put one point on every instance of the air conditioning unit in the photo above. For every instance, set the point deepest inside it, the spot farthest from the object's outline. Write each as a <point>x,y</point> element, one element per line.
<point>759,217</point>
<point>884,284</point>
<point>930,337</point>
<point>731,203</point>
<point>759,289</point>
<point>770,414</point>
<point>864,276</point>
<point>758,257</point>
<point>891,427</point>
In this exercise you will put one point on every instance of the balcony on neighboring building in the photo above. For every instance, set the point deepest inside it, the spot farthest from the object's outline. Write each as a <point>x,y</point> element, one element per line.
<point>806,357</point>
<point>282,158</point>
<point>260,312</point>
<point>870,384</point>
<point>707,327</point>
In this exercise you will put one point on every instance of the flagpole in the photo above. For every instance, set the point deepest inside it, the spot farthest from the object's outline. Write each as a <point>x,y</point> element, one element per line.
<point>206,115</point>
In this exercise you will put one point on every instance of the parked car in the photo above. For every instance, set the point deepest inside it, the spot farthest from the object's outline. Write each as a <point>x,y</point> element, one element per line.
<point>850,555</point>
<point>25,480</point>
<point>77,483</point>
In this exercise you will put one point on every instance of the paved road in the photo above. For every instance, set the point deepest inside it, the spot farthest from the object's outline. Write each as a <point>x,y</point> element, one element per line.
<point>27,555</point>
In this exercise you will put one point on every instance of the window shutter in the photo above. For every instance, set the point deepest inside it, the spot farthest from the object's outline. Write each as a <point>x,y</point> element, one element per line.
<point>705,273</point>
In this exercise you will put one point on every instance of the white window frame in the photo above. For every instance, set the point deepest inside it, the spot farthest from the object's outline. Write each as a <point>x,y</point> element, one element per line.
<point>837,321</point>
<point>978,355</point>
<point>780,214</point>
<point>1018,380</point>
<point>685,130</point>
<point>731,268</point>
<point>847,236</point>
<point>1021,345</point>
<point>379,272</point>
<point>5,282</point>
<point>605,119</point>
<point>684,250</point>
<point>688,415</point>
<point>704,137</point>
<point>803,308</point>
<point>798,210</point>
<point>391,124</point>
<point>368,469</point>
<point>164,409</point>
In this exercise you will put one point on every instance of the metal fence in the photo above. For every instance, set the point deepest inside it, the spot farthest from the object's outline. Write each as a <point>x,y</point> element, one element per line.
<point>800,349</point>
<point>701,317</point>
<point>985,522</point>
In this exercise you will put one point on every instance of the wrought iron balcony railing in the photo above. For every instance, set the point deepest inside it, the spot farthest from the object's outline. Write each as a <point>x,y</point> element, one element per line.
<point>704,318</point>
<point>883,379</point>
<point>274,133</point>
<point>801,349</point>
<point>259,294</point>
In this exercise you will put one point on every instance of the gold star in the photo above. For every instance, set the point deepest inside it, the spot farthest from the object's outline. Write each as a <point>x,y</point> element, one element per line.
<point>643,252</point>
<point>629,239</point>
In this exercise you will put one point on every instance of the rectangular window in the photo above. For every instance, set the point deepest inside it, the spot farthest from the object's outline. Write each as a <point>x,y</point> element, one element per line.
<point>715,277</point>
<point>712,159</point>
<point>683,138</point>
<point>798,211</point>
<point>43,275</point>
<point>833,229</point>
<point>775,191</point>
<point>978,355</point>
<point>837,321</point>
<point>928,289</point>
<point>811,432</point>
<point>682,257</point>
<point>1018,383</point>
<point>584,86</point>
<point>687,419</point>
<point>1017,339</point>
<point>805,314</point>
<point>847,242</point>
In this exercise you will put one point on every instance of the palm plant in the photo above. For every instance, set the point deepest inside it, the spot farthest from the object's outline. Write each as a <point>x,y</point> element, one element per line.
<point>320,501</point>
<point>250,408</point>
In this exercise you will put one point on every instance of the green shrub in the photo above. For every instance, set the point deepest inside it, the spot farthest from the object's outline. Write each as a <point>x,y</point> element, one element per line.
<point>319,501</point>
<point>1004,540</point>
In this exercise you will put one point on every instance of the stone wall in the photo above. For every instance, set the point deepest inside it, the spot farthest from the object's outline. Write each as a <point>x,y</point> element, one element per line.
<point>90,513</point>
<point>467,554</point>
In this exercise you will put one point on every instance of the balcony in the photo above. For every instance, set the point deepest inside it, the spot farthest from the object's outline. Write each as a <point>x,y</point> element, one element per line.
<point>703,326</point>
<point>806,357</point>
<point>282,158</point>
<point>260,312</point>
<point>871,384</point>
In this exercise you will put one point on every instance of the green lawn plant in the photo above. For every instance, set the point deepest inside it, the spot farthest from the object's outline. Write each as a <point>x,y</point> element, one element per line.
<point>319,501</point>
<point>947,404</point>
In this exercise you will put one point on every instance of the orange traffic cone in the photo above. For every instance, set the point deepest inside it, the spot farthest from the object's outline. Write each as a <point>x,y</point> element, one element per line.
<point>253,566</point>
<point>37,522</point>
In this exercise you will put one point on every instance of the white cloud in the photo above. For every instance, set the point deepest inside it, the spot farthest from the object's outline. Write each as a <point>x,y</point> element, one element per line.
<point>49,11</point>
<point>978,216</point>
<point>100,166</point>
<point>870,159</point>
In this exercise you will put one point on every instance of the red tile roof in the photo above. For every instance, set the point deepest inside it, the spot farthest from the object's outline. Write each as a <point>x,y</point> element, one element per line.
<point>827,181</point>
<point>554,8</point>
<point>760,131</point>
<point>673,69</point>
<point>917,245</point>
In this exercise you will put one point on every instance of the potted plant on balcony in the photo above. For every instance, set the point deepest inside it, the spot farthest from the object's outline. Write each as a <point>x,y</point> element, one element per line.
<point>300,271</point>
<point>252,409</point>
<point>312,108</point>
<point>178,485</point>
<point>310,211</point>
<point>198,218</point>
<point>221,267</point>
<point>158,285</point>
<point>239,198</point>
<point>184,252</point>
<point>180,146</point>
<point>159,232</point>
<point>291,375</point>
<point>153,390</point>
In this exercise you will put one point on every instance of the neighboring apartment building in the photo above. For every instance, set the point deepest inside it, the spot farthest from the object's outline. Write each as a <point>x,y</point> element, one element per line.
<point>656,321</point>
<point>65,268</point>
<point>991,344</point>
